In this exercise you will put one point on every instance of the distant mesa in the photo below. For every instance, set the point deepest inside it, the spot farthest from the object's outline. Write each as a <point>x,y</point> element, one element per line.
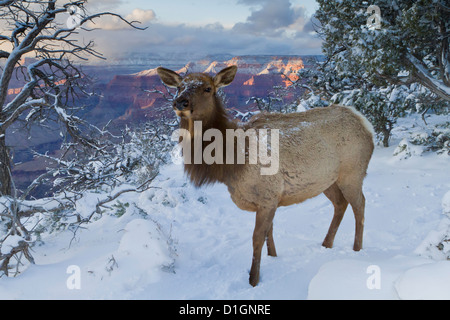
<point>126,100</point>
<point>250,65</point>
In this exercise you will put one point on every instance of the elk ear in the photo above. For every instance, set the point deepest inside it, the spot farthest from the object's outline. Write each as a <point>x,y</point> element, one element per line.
<point>225,77</point>
<point>169,77</point>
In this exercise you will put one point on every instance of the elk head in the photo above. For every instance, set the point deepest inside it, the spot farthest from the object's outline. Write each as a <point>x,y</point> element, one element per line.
<point>196,96</point>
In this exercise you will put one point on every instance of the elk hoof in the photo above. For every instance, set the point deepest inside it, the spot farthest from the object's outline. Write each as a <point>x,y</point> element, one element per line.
<point>254,280</point>
<point>327,244</point>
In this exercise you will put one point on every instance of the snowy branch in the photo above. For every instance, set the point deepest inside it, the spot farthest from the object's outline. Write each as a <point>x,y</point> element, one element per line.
<point>19,110</point>
<point>424,76</point>
<point>145,186</point>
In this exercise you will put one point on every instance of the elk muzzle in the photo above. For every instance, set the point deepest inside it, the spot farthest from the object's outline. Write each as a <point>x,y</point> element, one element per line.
<point>181,104</point>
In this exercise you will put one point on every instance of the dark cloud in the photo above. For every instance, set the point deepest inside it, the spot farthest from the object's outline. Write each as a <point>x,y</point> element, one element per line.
<point>272,18</point>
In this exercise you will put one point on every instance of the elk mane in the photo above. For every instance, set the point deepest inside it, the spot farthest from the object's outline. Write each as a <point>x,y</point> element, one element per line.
<point>207,174</point>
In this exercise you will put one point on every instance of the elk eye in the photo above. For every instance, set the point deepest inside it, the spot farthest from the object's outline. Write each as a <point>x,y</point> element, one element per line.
<point>208,89</point>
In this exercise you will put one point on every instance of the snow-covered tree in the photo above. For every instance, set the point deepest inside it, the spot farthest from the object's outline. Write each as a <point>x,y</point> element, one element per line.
<point>410,44</point>
<point>51,85</point>
<point>385,57</point>
<point>44,31</point>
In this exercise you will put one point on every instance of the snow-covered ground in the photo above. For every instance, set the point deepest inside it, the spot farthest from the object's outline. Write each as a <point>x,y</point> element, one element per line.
<point>177,242</point>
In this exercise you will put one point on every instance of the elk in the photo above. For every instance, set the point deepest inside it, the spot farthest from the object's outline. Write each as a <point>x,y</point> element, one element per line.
<point>323,150</point>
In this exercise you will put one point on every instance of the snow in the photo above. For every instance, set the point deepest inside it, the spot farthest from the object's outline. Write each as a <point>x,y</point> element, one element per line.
<point>429,281</point>
<point>354,279</point>
<point>174,241</point>
<point>446,203</point>
<point>10,242</point>
<point>437,245</point>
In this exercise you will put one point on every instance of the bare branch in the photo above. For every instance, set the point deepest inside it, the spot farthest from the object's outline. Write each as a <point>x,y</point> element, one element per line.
<point>4,54</point>
<point>131,24</point>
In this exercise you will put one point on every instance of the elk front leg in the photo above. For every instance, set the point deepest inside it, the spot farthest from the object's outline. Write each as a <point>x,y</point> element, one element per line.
<point>263,225</point>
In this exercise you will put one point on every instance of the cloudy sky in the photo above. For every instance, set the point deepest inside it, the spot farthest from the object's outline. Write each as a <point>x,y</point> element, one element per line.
<point>208,26</point>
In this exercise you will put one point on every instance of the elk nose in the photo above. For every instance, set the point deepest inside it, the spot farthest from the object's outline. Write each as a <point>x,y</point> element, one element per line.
<point>181,104</point>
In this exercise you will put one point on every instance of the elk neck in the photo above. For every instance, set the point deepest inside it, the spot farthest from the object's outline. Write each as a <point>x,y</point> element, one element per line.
<point>201,173</point>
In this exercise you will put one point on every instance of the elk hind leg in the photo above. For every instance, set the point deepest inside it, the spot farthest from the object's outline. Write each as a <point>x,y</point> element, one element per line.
<point>354,195</point>
<point>340,205</point>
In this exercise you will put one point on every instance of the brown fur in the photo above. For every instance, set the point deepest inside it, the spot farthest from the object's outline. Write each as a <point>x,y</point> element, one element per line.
<point>203,174</point>
<point>324,150</point>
